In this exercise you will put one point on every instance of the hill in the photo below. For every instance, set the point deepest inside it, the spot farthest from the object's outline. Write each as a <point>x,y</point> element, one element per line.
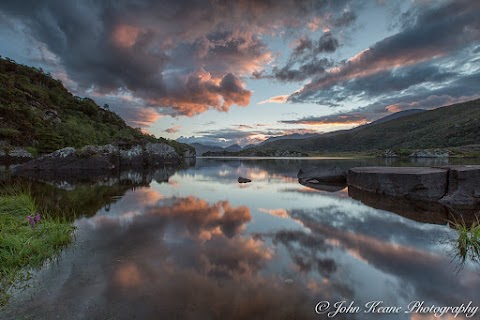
<point>396,115</point>
<point>445,127</point>
<point>202,148</point>
<point>37,112</point>
<point>293,136</point>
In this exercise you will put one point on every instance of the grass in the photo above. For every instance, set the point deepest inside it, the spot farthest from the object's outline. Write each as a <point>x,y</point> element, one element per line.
<point>468,243</point>
<point>23,247</point>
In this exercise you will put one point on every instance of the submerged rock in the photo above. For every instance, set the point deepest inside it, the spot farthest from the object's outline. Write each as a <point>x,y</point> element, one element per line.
<point>243,180</point>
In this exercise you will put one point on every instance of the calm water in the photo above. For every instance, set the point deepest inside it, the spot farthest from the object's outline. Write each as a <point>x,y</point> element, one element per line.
<point>202,246</point>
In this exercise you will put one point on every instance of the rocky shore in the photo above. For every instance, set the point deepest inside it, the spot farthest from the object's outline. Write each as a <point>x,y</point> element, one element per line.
<point>107,158</point>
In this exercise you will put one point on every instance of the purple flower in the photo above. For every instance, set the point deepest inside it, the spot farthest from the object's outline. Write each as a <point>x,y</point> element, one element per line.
<point>33,220</point>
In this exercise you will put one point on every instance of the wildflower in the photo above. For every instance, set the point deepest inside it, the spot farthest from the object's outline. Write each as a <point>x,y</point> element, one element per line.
<point>33,220</point>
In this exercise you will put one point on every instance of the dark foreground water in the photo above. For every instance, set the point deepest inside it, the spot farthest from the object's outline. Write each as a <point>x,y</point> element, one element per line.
<point>202,246</point>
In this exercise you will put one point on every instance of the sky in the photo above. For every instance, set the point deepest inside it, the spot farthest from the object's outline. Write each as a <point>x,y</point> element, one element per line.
<point>228,72</point>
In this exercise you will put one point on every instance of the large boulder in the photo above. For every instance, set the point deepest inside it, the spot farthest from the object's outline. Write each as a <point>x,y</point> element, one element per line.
<point>159,153</point>
<point>319,175</point>
<point>417,183</point>
<point>463,186</point>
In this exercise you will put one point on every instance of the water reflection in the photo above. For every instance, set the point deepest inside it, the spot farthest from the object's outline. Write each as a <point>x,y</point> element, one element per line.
<point>202,246</point>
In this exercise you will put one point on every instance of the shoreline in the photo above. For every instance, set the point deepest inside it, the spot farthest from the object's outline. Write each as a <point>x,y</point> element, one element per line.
<point>25,246</point>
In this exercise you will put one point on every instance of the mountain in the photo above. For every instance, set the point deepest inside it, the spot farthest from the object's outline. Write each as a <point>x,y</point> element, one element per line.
<point>249,146</point>
<point>38,113</point>
<point>290,136</point>
<point>450,126</point>
<point>233,148</point>
<point>396,115</point>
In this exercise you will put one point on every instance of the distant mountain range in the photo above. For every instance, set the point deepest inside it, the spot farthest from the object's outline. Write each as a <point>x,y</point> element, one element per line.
<point>293,136</point>
<point>450,126</point>
<point>201,148</point>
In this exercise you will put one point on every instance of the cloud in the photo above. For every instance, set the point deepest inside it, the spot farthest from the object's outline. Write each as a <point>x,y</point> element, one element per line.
<point>335,119</point>
<point>201,219</point>
<point>427,53</point>
<point>184,57</point>
<point>173,129</point>
<point>276,99</point>
<point>305,61</point>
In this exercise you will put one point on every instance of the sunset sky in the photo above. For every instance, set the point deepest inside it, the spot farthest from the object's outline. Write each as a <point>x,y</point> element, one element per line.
<point>240,71</point>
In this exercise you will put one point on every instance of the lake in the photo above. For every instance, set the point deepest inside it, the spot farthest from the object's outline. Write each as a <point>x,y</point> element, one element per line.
<point>195,244</point>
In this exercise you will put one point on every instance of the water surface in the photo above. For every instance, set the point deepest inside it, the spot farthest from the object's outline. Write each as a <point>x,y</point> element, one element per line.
<point>195,244</point>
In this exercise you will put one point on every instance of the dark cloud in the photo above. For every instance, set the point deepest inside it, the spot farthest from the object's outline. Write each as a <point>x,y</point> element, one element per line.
<point>187,56</point>
<point>428,51</point>
<point>306,59</point>
<point>326,43</point>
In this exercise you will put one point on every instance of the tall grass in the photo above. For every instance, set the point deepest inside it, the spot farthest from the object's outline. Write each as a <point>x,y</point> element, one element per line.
<point>468,243</point>
<point>21,246</point>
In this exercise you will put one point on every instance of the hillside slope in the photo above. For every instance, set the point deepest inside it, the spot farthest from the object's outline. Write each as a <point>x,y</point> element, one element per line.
<point>37,112</point>
<point>450,126</point>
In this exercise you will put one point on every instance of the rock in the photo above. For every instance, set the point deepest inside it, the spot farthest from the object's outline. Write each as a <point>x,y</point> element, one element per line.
<point>12,154</point>
<point>243,180</point>
<point>421,211</point>
<point>457,187</point>
<point>323,175</point>
<point>430,154</point>
<point>329,187</point>
<point>51,115</point>
<point>18,152</point>
<point>389,154</point>
<point>417,183</point>
<point>189,154</point>
<point>103,158</point>
<point>463,186</point>
<point>158,153</point>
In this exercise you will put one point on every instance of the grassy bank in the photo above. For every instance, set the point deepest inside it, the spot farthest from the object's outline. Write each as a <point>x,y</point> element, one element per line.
<point>21,246</point>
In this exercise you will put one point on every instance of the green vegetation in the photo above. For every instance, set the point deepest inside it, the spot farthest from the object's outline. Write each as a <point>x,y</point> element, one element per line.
<point>36,111</point>
<point>468,243</point>
<point>447,127</point>
<point>21,246</point>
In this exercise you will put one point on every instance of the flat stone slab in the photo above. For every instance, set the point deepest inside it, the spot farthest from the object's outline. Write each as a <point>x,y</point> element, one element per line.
<point>463,185</point>
<point>416,183</point>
